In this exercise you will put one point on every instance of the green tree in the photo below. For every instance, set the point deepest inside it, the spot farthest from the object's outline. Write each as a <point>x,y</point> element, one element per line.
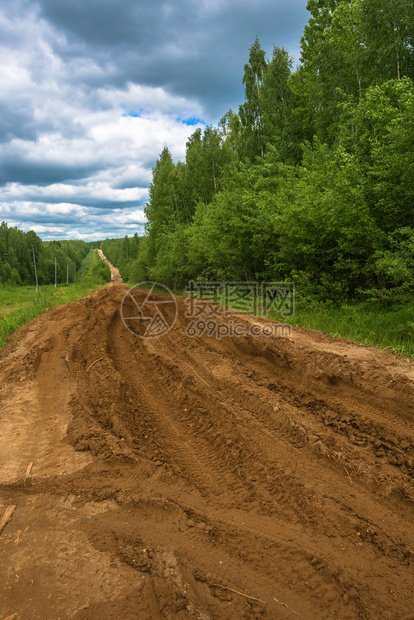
<point>251,111</point>
<point>326,229</point>
<point>278,102</point>
<point>161,209</point>
<point>382,142</point>
<point>387,27</point>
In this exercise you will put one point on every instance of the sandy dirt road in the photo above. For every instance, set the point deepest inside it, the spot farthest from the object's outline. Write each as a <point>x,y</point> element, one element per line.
<point>115,275</point>
<point>196,478</point>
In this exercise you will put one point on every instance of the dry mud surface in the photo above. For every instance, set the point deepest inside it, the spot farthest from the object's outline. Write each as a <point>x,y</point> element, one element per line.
<point>196,478</point>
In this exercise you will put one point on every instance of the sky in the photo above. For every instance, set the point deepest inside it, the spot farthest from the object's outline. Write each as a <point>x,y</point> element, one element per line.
<point>91,91</point>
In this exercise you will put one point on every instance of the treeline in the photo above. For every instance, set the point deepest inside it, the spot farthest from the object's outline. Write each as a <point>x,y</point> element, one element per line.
<point>16,258</point>
<point>312,179</point>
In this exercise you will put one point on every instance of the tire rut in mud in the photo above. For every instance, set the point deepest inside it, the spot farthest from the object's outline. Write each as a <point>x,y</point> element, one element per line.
<point>245,478</point>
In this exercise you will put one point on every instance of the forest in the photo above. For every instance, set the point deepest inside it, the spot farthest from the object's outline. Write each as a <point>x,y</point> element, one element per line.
<point>311,180</point>
<point>17,263</point>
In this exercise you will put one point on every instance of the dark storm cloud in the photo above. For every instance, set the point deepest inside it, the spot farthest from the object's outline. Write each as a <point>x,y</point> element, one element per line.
<point>92,90</point>
<point>197,49</point>
<point>16,123</point>
<point>15,170</point>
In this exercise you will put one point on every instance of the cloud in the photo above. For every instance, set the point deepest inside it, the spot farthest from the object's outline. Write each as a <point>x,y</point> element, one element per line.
<point>93,91</point>
<point>73,221</point>
<point>192,47</point>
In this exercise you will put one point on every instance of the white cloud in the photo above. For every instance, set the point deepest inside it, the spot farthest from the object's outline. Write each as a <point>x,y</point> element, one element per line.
<point>89,99</point>
<point>73,221</point>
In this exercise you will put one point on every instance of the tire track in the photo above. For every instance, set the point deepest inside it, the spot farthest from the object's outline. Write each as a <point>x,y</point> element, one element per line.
<point>219,474</point>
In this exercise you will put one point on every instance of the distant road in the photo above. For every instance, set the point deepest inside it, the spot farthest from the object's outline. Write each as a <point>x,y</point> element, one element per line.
<point>115,275</point>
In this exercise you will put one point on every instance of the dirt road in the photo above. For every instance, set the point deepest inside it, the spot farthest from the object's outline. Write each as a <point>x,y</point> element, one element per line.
<point>115,275</point>
<point>197,478</point>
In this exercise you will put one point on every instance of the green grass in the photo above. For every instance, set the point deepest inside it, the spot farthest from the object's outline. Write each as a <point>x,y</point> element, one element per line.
<point>383,326</point>
<point>20,304</point>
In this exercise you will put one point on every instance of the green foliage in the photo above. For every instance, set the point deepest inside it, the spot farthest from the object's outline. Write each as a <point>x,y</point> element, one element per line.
<point>382,142</point>
<point>251,111</point>
<point>394,267</point>
<point>16,258</point>
<point>326,229</point>
<point>312,180</point>
<point>387,27</point>
<point>279,126</point>
<point>231,237</point>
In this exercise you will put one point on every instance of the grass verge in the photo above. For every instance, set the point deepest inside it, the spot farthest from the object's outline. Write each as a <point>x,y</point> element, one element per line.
<point>18,305</point>
<point>388,326</point>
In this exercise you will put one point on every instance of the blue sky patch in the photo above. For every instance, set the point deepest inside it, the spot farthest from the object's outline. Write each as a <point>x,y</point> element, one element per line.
<point>133,113</point>
<point>193,120</point>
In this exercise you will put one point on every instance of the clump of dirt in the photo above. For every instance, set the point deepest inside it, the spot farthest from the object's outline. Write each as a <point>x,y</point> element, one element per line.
<point>196,477</point>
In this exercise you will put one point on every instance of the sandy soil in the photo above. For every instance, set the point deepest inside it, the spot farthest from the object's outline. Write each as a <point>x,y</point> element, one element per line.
<point>115,275</point>
<point>196,478</point>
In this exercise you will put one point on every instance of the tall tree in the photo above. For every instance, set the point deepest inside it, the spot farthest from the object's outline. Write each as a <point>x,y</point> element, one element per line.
<point>251,111</point>
<point>332,70</point>
<point>161,207</point>
<point>231,129</point>
<point>278,101</point>
<point>388,30</point>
